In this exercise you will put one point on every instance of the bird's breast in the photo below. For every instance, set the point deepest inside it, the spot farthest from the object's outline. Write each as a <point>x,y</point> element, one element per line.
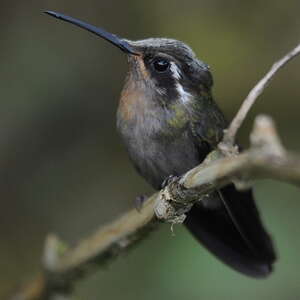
<point>156,137</point>
<point>143,115</point>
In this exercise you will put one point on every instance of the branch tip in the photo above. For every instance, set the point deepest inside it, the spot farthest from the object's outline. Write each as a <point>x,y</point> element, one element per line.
<point>230,133</point>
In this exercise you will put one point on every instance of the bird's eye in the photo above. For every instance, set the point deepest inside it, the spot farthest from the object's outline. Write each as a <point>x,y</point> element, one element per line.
<point>161,65</point>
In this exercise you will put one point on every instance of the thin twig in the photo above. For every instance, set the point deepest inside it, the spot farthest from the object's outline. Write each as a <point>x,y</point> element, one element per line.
<point>230,133</point>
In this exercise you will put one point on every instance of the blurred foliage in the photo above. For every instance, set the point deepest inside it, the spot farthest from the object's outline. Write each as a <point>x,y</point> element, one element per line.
<point>64,170</point>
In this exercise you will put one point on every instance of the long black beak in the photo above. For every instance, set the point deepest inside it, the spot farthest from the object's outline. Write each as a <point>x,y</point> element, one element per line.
<point>112,38</point>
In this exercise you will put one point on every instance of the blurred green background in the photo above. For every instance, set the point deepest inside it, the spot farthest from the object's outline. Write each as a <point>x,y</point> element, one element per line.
<point>64,169</point>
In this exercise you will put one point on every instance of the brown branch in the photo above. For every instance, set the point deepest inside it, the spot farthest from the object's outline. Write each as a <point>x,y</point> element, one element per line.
<point>230,134</point>
<point>62,269</point>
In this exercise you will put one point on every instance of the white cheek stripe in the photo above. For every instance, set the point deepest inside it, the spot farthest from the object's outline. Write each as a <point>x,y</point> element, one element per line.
<point>161,91</point>
<point>183,95</point>
<point>175,71</point>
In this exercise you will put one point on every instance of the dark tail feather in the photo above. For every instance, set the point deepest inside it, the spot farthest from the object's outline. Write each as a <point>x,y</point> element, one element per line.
<point>232,230</point>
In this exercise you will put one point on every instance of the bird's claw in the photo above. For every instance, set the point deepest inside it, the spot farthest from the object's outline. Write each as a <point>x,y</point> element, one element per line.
<point>170,179</point>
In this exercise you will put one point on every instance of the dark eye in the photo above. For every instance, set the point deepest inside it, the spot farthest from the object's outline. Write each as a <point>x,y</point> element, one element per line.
<point>161,64</point>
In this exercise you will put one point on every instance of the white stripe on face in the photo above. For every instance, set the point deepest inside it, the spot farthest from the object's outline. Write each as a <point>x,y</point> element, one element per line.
<point>176,73</point>
<point>183,95</point>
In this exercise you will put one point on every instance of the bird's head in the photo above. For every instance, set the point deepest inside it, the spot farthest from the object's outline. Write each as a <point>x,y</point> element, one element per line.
<point>165,67</point>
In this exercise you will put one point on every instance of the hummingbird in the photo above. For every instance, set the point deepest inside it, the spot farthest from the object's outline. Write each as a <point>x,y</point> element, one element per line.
<point>169,123</point>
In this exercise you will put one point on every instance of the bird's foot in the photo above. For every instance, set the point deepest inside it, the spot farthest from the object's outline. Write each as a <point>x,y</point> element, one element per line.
<point>139,202</point>
<point>179,193</point>
<point>175,200</point>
